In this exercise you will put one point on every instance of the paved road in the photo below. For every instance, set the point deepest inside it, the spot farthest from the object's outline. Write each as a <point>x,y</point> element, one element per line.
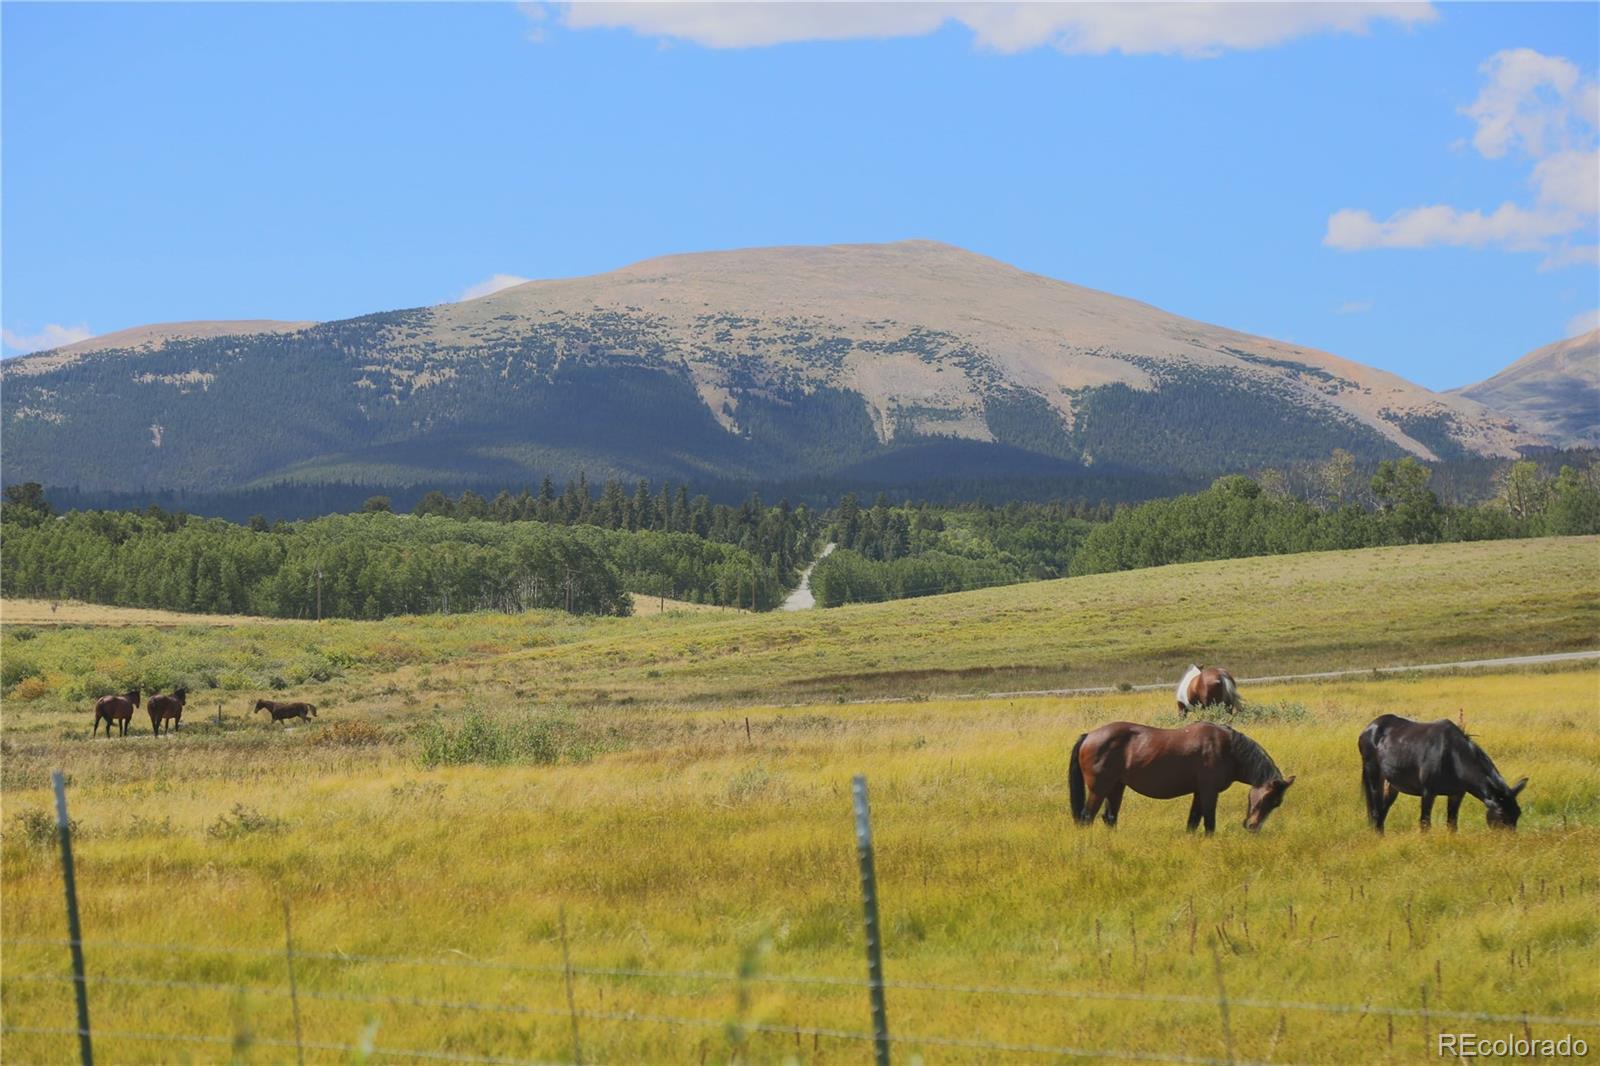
<point>1326,675</point>
<point>801,599</point>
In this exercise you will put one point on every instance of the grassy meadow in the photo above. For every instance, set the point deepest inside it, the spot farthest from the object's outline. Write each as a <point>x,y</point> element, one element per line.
<point>678,788</point>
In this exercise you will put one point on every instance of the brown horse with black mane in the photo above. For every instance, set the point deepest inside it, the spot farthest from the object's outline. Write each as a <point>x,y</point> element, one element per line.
<point>280,711</point>
<point>1204,686</point>
<point>1201,759</point>
<point>115,709</point>
<point>167,709</point>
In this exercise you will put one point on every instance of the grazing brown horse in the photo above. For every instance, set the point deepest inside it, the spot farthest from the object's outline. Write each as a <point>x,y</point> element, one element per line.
<point>1431,759</point>
<point>167,709</point>
<point>115,709</point>
<point>1201,759</point>
<point>280,711</point>
<point>1203,687</point>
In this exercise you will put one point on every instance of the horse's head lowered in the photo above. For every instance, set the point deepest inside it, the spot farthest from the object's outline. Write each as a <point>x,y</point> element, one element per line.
<point>263,705</point>
<point>1264,799</point>
<point>1500,803</point>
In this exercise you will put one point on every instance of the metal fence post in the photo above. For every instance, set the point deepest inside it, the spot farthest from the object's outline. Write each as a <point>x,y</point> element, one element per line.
<point>294,990</point>
<point>869,907</point>
<point>74,929</point>
<point>572,1002</point>
<point>1222,1003</point>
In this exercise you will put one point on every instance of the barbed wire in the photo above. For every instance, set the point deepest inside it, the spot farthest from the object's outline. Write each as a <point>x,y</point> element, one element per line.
<point>314,1045</point>
<point>633,1017</point>
<point>845,982</point>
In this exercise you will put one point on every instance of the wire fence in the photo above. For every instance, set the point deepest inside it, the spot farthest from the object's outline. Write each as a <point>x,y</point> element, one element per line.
<point>314,987</point>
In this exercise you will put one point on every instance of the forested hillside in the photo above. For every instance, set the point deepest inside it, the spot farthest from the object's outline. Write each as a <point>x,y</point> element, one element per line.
<point>371,565</point>
<point>889,553</point>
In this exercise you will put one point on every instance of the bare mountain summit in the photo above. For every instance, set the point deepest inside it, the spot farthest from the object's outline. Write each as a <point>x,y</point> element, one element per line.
<point>1552,391</point>
<point>913,360</point>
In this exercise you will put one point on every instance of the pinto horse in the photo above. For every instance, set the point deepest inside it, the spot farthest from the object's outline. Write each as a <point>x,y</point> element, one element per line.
<point>280,711</point>
<point>1201,759</point>
<point>115,709</point>
<point>1202,687</point>
<point>1431,759</point>
<point>167,709</point>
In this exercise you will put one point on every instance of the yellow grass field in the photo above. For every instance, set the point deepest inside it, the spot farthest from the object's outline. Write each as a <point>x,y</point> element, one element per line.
<point>432,826</point>
<point>15,611</point>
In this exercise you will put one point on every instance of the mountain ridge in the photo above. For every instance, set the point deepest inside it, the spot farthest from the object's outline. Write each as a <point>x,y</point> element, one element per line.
<point>1553,391</point>
<point>752,363</point>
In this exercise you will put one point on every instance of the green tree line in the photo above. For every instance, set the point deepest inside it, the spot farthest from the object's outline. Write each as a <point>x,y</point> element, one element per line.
<point>368,565</point>
<point>1240,516</point>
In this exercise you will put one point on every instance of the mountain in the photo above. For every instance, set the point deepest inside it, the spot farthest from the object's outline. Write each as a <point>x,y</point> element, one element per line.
<point>768,364</point>
<point>1552,391</point>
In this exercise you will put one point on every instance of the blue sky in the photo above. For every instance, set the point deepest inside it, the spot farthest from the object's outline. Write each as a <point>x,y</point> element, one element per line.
<point>1255,167</point>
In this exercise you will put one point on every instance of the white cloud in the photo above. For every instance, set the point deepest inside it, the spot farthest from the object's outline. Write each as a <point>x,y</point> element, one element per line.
<point>1584,323</point>
<point>1572,255</point>
<point>491,284</point>
<point>1529,101</point>
<point>1354,307</point>
<point>51,336</point>
<point>1420,227</point>
<point>1188,29</point>
<point>1533,106</point>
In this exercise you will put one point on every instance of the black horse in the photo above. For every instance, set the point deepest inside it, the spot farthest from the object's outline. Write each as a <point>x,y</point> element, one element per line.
<point>1431,759</point>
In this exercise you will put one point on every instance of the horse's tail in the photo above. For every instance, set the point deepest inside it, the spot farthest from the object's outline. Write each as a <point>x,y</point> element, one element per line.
<point>1079,794</point>
<point>1231,689</point>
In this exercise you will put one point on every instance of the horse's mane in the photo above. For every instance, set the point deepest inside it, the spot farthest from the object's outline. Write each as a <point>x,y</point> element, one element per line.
<point>1481,757</point>
<point>1257,766</point>
<point>1183,684</point>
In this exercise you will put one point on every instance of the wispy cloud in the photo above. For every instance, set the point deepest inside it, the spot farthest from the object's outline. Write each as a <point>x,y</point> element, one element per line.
<point>1583,323</point>
<point>1187,29</point>
<point>492,284</point>
<point>1354,307</point>
<point>1533,107</point>
<point>51,336</point>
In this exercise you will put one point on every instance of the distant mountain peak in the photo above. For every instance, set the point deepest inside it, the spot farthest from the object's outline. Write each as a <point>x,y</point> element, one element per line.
<point>1552,391</point>
<point>746,364</point>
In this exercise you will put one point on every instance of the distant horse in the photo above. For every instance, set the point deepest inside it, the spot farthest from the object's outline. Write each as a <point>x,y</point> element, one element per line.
<point>115,709</point>
<point>280,711</point>
<point>167,709</point>
<point>1201,759</point>
<point>1431,759</point>
<point>1204,687</point>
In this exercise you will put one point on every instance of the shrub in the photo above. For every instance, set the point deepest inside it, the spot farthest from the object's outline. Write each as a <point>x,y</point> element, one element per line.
<point>243,822</point>
<point>349,734</point>
<point>31,688</point>
<point>38,828</point>
<point>14,669</point>
<point>543,739</point>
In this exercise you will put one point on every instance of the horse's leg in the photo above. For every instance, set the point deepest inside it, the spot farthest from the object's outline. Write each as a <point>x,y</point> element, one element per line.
<point>1195,812</point>
<point>1427,808</point>
<point>1372,791</point>
<point>1390,794</point>
<point>1208,809</point>
<point>1114,803</point>
<point>1452,807</point>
